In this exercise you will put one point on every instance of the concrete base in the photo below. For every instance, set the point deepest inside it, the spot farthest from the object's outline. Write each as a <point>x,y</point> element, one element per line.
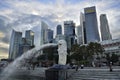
<point>56,73</point>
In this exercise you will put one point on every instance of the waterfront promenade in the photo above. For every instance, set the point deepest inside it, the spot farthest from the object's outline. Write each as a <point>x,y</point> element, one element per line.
<point>88,73</point>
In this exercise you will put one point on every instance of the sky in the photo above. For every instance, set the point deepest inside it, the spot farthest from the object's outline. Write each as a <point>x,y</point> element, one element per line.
<point>22,15</point>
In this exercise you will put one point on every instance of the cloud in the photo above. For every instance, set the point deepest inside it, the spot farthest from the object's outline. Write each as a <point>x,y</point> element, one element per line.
<point>3,50</point>
<point>1,35</point>
<point>27,14</point>
<point>4,45</point>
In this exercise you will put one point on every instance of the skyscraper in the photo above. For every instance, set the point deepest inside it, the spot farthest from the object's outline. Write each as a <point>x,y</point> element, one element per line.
<point>91,25</point>
<point>44,36</point>
<point>59,37</point>
<point>25,46</point>
<point>59,29</point>
<point>69,32</point>
<point>29,35</point>
<point>69,28</point>
<point>50,36</point>
<point>104,27</point>
<point>80,35</point>
<point>15,41</point>
<point>81,30</point>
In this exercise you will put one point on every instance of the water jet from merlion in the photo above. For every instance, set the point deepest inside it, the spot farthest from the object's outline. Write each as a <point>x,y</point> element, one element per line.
<point>11,68</point>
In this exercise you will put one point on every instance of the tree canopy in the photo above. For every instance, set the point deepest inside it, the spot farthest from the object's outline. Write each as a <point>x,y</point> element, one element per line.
<point>84,52</point>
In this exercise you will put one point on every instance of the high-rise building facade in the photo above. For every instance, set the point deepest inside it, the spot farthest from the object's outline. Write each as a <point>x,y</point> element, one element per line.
<point>69,28</point>
<point>59,30</point>
<point>59,37</point>
<point>15,41</point>
<point>81,30</point>
<point>44,32</point>
<point>91,25</point>
<point>104,27</point>
<point>50,36</point>
<point>80,35</point>
<point>24,46</point>
<point>69,32</point>
<point>29,35</point>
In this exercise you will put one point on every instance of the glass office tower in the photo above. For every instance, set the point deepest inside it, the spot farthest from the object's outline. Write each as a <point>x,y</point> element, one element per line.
<point>104,27</point>
<point>29,35</point>
<point>50,36</point>
<point>15,41</point>
<point>80,35</point>
<point>69,33</point>
<point>91,25</point>
<point>44,32</point>
<point>59,30</point>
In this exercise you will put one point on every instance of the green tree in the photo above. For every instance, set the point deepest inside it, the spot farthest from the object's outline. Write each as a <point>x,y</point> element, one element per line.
<point>114,58</point>
<point>75,48</point>
<point>85,52</point>
<point>95,48</point>
<point>75,52</point>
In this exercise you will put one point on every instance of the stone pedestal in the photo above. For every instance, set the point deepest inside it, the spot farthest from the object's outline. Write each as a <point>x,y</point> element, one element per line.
<point>56,74</point>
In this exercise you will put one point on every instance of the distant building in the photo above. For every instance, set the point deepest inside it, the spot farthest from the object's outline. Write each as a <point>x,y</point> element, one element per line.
<point>24,46</point>
<point>29,35</point>
<point>50,35</point>
<point>44,36</point>
<point>69,28</point>
<point>15,41</point>
<point>69,32</point>
<point>59,30</point>
<point>104,27</point>
<point>91,25</point>
<point>82,24</point>
<point>111,46</point>
<point>59,37</point>
<point>80,35</point>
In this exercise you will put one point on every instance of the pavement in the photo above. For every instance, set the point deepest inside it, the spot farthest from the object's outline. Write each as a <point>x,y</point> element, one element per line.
<point>88,73</point>
<point>96,74</point>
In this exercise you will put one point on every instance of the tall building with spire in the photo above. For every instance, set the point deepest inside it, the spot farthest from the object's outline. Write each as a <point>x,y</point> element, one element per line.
<point>104,28</point>
<point>91,25</point>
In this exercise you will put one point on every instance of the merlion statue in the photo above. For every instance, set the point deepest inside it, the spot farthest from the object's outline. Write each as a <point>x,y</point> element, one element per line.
<point>62,52</point>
